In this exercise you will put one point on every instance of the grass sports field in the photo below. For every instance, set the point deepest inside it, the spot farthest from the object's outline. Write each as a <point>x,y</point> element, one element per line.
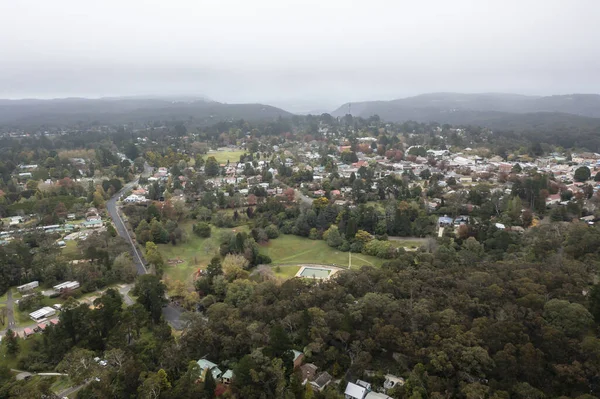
<point>294,249</point>
<point>224,156</point>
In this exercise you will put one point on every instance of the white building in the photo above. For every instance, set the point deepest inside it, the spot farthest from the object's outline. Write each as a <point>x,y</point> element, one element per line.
<point>28,287</point>
<point>354,391</point>
<point>42,313</point>
<point>133,198</point>
<point>67,285</point>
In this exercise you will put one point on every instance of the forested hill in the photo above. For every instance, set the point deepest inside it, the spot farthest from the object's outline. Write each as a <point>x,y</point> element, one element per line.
<point>64,112</point>
<point>488,109</point>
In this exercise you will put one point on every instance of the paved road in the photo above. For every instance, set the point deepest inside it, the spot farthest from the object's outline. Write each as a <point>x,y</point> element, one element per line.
<point>71,390</point>
<point>303,198</point>
<point>10,313</point>
<point>113,211</point>
<point>171,314</point>
<point>124,291</point>
<point>10,306</point>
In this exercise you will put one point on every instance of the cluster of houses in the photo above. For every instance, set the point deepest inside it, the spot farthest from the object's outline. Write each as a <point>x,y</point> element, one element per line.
<point>310,375</point>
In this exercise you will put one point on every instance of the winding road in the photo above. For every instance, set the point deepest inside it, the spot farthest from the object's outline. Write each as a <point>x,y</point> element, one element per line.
<point>171,313</point>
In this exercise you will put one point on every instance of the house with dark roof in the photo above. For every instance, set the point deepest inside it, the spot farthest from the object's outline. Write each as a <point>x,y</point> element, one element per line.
<point>321,381</point>
<point>309,372</point>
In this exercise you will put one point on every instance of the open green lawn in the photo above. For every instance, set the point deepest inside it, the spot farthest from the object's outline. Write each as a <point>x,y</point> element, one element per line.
<point>406,243</point>
<point>294,249</point>
<point>70,250</point>
<point>185,259</point>
<point>224,156</point>
<point>195,254</point>
<point>22,317</point>
<point>285,272</point>
<point>25,346</point>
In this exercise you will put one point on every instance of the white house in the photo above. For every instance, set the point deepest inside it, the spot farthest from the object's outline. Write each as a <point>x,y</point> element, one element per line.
<point>354,391</point>
<point>133,198</point>
<point>206,366</point>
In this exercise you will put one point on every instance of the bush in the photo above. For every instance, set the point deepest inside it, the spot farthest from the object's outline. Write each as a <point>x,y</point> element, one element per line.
<point>356,246</point>
<point>287,227</point>
<point>380,249</point>
<point>272,231</point>
<point>263,259</point>
<point>313,234</point>
<point>345,247</point>
<point>202,229</point>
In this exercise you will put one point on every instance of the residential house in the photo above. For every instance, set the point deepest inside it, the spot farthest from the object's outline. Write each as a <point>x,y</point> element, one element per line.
<point>227,377</point>
<point>377,395</point>
<point>206,366</point>
<point>364,384</point>
<point>298,358</point>
<point>309,372</point>
<point>134,198</point>
<point>445,221</point>
<point>15,220</point>
<point>553,199</point>
<point>321,381</point>
<point>391,381</point>
<point>354,391</point>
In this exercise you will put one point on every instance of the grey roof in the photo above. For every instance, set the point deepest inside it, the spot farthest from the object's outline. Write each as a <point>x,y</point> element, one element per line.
<point>323,379</point>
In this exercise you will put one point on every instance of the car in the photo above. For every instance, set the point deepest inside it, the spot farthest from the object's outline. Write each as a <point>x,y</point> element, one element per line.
<point>103,363</point>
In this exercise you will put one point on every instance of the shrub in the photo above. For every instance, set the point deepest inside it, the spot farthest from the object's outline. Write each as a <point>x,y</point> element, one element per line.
<point>263,259</point>
<point>202,229</point>
<point>314,234</point>
<point>272,231</point>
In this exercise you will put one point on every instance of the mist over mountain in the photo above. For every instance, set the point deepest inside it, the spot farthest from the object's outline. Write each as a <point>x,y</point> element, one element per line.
<point>489,109</point>
<point>32,112</point>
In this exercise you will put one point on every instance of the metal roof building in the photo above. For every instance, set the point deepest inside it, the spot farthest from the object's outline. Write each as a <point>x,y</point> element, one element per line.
<point>42,313</point>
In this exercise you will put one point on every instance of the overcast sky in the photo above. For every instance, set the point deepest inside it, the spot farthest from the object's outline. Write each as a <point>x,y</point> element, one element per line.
<point>297,53</point>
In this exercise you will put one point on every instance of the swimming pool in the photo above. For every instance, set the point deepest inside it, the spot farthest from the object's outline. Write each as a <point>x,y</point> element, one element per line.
<point>314,272</point>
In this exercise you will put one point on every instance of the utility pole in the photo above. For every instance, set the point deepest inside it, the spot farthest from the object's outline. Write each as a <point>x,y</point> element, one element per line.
<point>349,260</point>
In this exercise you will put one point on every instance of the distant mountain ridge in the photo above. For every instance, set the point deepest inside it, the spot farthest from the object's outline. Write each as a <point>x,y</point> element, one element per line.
<point>479,108</point>
<point>32,112</point>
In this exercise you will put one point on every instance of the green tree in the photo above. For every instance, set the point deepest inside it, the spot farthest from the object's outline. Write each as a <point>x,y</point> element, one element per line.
<point>334,239</point>
<point>154,384</point>
<point>582,174</point>
<point>211,167</point>
<point>202,229</point>
<point>151,294</point>
<point>594,302</point>
<point>571,318</point>
<point>79,364</point>
<point>12,342</point>
<point>209,385</point>
<point>154,257</point>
